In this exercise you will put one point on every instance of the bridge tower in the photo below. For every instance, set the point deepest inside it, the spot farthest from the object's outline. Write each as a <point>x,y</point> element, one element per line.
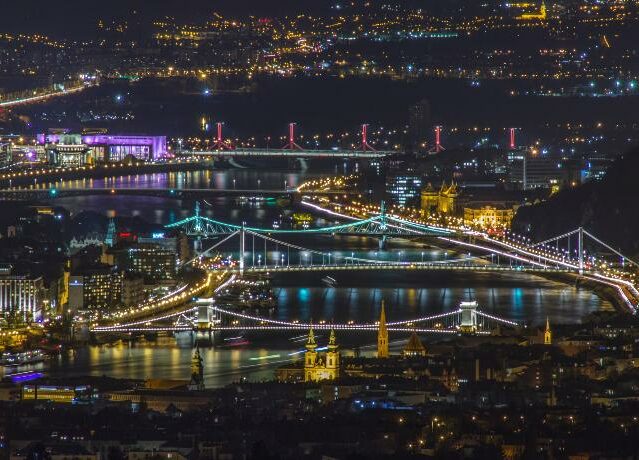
<point>291,138</point>
<point>365,145</point>
<point>438,147</point>
<point>512,145</point>
<point>220,143</point>
<point>197,244</point>
<point>382,214</point>
<point>468,317</point>
<point>242,247</point>
<point>203,316</point>
<point>580,249</point>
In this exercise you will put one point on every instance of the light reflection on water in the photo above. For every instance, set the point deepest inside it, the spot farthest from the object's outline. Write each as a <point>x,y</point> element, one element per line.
<point>520,297</point>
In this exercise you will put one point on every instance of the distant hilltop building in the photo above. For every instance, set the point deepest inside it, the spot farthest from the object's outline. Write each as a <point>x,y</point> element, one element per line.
<point>442,201</point>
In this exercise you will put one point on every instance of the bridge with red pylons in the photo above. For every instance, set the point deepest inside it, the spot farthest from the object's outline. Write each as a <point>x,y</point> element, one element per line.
<point>224,148</point>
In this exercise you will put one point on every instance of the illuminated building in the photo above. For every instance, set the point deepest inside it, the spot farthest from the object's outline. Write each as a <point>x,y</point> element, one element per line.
<point>528,171</point>
<point>107,147</point>
<point>316,368</point>
<point>547,333</point>
<point>382,335</point>
<point>95,289</point>
<point>21,294</point>
<point>152,262</point>
<point>488,217</point>
<point>178,244</point>
<point>54,393</point>
<point>542,14</point>
<point>442,201</point>
<point>414,347</point>
<point>402,189</point>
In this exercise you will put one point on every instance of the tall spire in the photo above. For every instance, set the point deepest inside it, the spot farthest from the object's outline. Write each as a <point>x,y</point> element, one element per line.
<point>547,333</point>
<point>382,335</point>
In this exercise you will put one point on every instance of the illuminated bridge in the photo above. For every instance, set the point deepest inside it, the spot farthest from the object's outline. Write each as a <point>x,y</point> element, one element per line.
<point>577,252</point>
<point>285,153</point>
<point>205,316</point>
<point>258,250</point>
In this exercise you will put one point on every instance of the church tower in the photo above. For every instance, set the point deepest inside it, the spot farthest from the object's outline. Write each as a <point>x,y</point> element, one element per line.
<point>310,357</point>
<point>332,357</point>
<point>382,335</point>
<point>197,372</point>
<point>547,333</point>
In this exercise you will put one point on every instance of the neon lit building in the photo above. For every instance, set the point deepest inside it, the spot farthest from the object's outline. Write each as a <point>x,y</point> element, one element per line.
<point>115,147</point>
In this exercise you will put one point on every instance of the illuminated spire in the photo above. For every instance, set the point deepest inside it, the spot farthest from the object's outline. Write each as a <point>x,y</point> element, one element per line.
<point>547,333</point>
<point>332,342</point>
<point>382,335</point>
<point>311,345</point>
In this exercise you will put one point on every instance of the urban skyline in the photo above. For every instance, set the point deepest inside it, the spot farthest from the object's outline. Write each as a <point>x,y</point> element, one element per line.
<point>319,230</point>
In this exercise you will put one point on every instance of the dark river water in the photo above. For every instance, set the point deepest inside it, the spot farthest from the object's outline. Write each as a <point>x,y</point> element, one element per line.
<point>517,296</point>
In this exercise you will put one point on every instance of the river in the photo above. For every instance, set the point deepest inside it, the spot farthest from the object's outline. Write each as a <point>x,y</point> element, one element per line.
<point>517,296</point>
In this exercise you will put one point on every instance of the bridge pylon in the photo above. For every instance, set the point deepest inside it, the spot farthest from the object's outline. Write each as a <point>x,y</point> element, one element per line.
<point>468,317</point>
<point>242,247</point>
<point>382,214</point>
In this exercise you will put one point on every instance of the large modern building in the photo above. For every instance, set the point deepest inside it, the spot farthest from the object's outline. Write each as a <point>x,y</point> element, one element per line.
<point>21,294</point>
<point>110,147</point>
<point>527,171</point>
<point>403,189</point>
<point>154,263</point>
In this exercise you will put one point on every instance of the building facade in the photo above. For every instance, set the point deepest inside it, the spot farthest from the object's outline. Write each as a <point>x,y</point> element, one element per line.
<point>95,289</point>
<point>486,217</point>
<point>21,295</point>
<point>402,189</point>
<point>442,201</point>
<point>316,367</point>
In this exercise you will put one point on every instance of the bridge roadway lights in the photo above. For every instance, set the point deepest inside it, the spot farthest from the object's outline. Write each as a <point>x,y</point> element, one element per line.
<point>407,266</point>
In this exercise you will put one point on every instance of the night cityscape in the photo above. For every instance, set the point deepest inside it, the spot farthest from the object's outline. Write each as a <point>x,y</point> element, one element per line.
<point>324,230</point>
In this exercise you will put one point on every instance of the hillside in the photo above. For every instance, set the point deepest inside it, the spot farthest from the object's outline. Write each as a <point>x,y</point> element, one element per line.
<point>608,208</point>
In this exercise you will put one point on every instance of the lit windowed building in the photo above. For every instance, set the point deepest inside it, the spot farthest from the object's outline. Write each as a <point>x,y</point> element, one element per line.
<point>153,262</point>
<point>95,289</point>
<point>487,217</point>
<point>403,189</point>
<point>23,294</point>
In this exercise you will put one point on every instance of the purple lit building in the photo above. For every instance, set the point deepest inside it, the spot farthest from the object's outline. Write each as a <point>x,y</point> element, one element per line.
<point>115,147</point>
